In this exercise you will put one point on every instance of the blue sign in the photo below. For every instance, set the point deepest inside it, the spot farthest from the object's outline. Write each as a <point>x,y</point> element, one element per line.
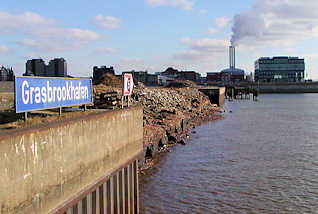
<point>36,93</point>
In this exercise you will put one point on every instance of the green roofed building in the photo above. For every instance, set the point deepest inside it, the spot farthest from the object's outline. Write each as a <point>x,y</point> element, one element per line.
<point>279,69</point>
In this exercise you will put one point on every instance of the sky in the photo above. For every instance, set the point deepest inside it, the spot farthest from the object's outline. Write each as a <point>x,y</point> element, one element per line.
<point>153,35</point>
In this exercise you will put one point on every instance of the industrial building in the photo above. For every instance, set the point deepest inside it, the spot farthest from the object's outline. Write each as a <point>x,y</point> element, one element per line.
<point>279,69</point>
<point>37,67</point>
<point>229,75</point>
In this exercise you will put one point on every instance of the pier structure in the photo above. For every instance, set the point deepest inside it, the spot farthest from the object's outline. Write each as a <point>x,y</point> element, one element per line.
<point>215,94</point>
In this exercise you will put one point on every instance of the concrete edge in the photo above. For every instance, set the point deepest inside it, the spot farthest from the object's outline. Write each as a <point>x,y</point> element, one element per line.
<point>41,127</point>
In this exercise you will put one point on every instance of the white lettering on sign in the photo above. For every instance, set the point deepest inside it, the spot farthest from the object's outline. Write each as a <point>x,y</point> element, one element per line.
<point>48,94</point>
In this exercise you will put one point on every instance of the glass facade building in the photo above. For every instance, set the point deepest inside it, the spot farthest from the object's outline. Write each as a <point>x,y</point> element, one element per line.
<point>279,69</point>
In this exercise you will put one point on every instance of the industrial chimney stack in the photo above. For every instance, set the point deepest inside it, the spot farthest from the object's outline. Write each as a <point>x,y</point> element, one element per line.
<point>232,57</point>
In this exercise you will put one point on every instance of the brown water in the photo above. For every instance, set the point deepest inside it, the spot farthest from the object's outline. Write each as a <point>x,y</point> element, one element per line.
<point>262,158</point>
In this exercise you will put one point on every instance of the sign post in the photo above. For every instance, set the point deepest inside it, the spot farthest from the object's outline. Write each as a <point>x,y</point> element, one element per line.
<point>128,85</point>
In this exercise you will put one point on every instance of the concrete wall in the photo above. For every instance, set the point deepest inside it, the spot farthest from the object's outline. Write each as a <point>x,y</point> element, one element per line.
<point>42,167</point>
<point>221,96</point>
<point>215,94</point>
<point>287,88</point>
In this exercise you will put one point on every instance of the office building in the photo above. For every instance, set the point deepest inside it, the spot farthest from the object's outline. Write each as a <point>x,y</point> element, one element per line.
<point>56,68</point>
<point>35,67</point>
<point>279,69</point>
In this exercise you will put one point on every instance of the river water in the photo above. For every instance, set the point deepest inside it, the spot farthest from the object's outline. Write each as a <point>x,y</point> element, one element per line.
<point>262,158</point>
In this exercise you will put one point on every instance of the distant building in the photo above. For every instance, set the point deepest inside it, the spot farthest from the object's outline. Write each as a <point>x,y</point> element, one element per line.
<point>6,74</point>
<point>249,77</point>
<point>98,72</point>
<point>232,74</point>
<point>145,77</point>
<point>57,68</point>
<point>279,69</point>
<point>181,75</point>
<point>37,67</point>
<point>190,75</point>
<point>213,77</point>
<point>171,73</point>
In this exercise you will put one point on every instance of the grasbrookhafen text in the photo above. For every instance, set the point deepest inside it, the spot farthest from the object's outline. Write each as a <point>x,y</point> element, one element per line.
<point>41,93</point>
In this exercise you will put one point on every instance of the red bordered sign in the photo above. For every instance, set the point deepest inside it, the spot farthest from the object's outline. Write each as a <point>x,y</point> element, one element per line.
<point>128,84</point>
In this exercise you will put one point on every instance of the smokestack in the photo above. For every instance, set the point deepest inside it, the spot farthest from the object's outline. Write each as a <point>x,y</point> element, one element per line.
<point>232,56</point>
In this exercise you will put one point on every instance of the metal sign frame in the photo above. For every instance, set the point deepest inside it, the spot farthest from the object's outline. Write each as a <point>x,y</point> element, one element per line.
<point>128,84</point>
<point>57,106</point>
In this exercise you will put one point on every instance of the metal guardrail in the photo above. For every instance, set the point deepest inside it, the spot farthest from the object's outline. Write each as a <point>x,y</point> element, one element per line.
<point>116,193</point>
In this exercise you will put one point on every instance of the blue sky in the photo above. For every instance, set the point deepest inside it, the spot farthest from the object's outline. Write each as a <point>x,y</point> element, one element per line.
<point>155,34</point>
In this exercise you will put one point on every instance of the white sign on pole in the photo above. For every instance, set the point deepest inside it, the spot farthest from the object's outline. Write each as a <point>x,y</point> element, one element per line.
<point>128,84</point>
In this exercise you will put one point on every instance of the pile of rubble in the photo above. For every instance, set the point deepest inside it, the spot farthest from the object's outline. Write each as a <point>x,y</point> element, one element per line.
<point>169,113</point>
<point>108,83</point>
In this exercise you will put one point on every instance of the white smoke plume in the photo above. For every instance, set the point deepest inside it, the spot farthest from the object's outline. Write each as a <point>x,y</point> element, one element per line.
<point>276,22</point>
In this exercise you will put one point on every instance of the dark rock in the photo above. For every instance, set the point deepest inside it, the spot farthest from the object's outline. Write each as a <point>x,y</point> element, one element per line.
<point>172,139</point>
<point>182,142</point>
<point>148,153</point>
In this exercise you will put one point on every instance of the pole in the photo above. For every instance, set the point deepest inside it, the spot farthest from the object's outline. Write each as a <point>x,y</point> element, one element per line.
<point>60,111</point>
<point>25,116</point>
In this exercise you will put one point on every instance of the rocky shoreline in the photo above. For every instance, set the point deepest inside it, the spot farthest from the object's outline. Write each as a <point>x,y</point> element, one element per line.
<point>169,116</point>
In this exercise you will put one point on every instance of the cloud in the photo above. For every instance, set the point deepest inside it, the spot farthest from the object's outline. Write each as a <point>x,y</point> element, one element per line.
<point>4,49</point>
<point>202,50</point>
<point>221,22</point>
<point>59,39</point>
<point>43,34</point>
<point>183,4</point>
<point>212,30</point>
<point>280,22</point>
<point>107,22</point>
<point>106,50</point>
<point>11,22</point>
